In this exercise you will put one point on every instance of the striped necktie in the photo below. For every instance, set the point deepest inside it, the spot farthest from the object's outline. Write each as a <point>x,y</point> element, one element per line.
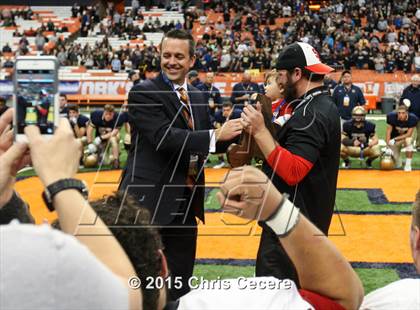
<point>186,111</point>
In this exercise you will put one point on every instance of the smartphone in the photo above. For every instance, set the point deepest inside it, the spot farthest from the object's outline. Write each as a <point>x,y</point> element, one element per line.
<point>35,98</point>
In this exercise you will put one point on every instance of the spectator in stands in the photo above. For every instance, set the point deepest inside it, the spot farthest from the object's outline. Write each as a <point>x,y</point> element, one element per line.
<point>379,63</point>
<point>135,6</point>
<point>116,64</point>
<point>211,94</point>
<point>399,132</point>
<point>341,37</point>
<point>8,63</point>
<point>62,56</point>
<point>225,61</point>
<point>134,77</point>
<point>411,98</point>
<point>6,48</point>
<point>390,65</point>
<point>359,139</point>
<point>40,41</point>
<point>417,62</point>
<point>346,96</point>
<point>127,64</point>
<point>242,91</point>
<point>50,25</point>
<point>74,10</point>
<point>24,41</point>
<point>106,125</point>
<point>78,122</point>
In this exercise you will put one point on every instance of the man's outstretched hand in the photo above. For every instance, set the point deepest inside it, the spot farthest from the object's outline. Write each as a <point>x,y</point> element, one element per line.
<point>230,129</point>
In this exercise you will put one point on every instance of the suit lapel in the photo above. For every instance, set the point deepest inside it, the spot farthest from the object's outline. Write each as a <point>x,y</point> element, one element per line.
<point>173,98</point>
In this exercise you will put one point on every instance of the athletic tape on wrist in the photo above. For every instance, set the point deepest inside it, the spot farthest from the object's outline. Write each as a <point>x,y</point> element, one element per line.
<point>285,219</point>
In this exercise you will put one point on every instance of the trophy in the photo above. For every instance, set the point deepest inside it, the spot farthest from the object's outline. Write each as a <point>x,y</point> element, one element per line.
<point>242,153</point>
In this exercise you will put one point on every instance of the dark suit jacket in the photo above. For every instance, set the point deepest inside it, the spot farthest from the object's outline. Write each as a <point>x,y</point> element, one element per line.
<point>157,165</point>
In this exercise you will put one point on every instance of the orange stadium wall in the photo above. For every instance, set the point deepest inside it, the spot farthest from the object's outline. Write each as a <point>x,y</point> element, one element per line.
<point>86,87</point>
<point>95,89</point>
<point>371,82</point>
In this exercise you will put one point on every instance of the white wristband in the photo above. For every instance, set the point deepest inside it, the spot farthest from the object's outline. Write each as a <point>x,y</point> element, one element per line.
<point>285,219</point>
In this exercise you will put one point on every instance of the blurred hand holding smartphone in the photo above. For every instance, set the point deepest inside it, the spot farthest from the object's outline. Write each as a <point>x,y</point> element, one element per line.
<point>36,97</point>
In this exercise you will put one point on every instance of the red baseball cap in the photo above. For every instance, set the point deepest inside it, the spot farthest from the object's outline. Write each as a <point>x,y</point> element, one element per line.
<point>302,55</point>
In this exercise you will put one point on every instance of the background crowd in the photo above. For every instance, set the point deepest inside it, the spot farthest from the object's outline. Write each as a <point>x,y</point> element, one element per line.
<point>377,35</point>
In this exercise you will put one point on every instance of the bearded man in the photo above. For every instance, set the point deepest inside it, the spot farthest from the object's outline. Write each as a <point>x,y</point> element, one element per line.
<point>302,158</point>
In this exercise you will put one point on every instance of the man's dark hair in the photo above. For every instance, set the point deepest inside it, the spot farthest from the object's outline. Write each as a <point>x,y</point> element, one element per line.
<point>181,35</point>
<point>227,104</point>
<point>129,222</point>
<point>402,107</point>
<point>73,107</point>
<point>131,73</point>
<point>345,72</point>
<point>109,108</point>
<point>63,95</point>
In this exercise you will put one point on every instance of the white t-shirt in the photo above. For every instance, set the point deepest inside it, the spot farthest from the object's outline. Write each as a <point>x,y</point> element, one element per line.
<point>245,293</point>
<point>402,294</point>
<point>42,268</point>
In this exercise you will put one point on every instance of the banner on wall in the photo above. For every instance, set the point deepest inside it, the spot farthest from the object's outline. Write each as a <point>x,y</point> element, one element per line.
<point>81,87</point>
<point>104,87</point>
<point>394,89</point>
<point>122,87</point>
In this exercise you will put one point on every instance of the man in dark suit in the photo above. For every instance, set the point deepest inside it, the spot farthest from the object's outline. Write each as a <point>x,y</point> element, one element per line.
<point>171,138</point>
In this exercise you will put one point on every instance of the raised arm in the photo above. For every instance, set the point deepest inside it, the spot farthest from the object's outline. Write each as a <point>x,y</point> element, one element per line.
<point>71,207</point>
<point>89,132</point>
<point>388,133</point>
<point>321,268</point>
<point>288,162</point>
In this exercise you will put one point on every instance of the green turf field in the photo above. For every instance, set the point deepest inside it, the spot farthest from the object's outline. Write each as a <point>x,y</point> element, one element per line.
<point>346,201</point>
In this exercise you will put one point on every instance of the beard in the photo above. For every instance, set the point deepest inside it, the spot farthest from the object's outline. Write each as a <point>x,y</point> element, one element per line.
<point>290,91</point>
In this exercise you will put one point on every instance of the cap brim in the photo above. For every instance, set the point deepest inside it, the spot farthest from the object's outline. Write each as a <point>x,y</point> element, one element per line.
<point>320,68</point>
